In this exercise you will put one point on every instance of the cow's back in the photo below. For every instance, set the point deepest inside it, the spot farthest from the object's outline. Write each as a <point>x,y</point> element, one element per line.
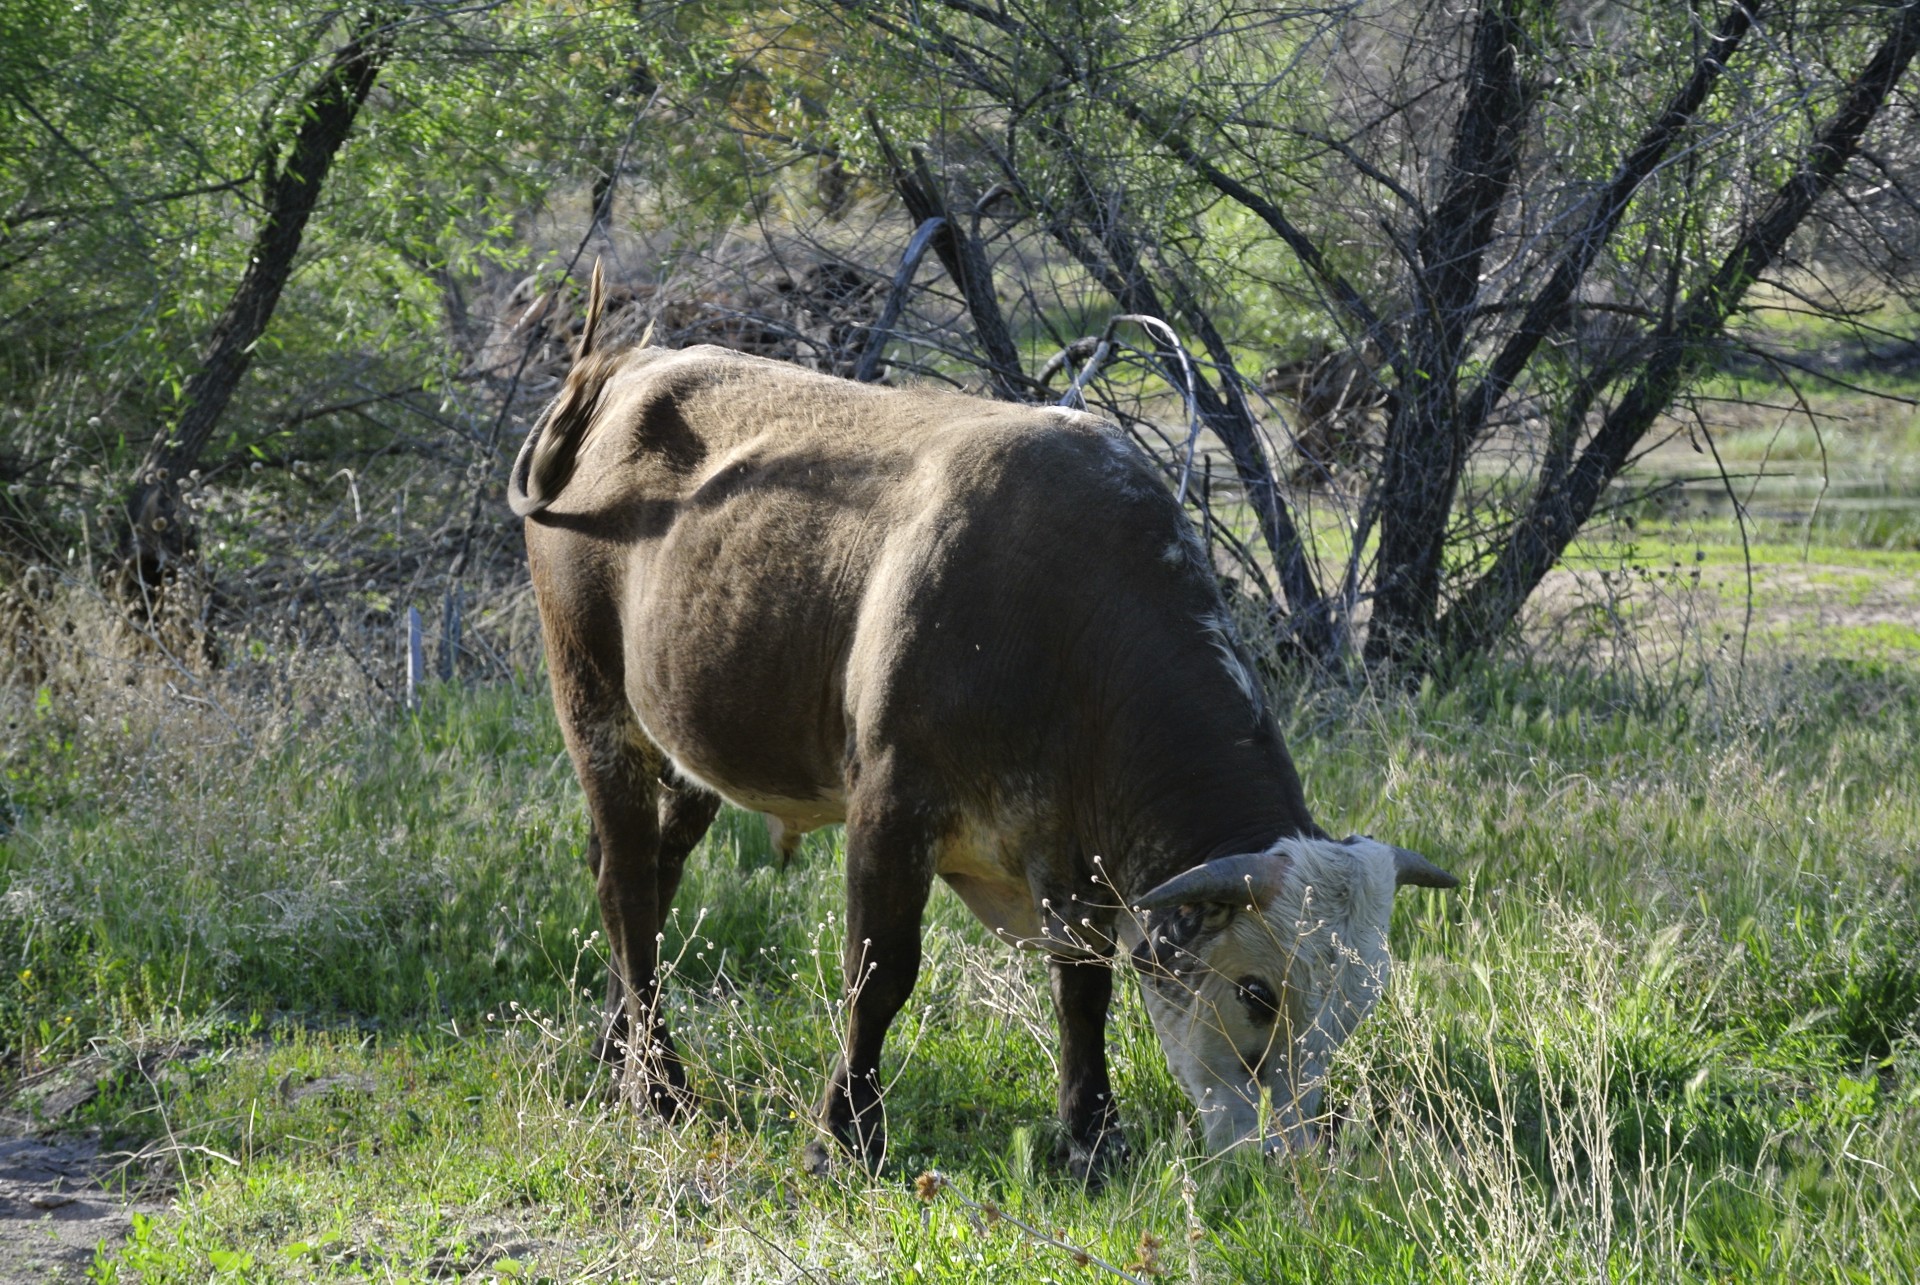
<point>796,564</point>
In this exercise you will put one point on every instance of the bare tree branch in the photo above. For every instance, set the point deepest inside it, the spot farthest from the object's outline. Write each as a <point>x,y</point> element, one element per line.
<point>1549,308</point>
<point>1426,447</point>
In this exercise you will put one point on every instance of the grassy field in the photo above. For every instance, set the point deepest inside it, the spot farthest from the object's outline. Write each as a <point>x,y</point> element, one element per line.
<point>332,973</point>
<point>321,971</point>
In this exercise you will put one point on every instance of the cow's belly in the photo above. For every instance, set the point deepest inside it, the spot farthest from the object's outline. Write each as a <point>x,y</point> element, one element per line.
<point>796,791</point>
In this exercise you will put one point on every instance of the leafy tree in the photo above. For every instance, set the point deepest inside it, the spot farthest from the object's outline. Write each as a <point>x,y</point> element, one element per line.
<point>155,535</point>
<point>250,235</point>
<point>1531,227</point>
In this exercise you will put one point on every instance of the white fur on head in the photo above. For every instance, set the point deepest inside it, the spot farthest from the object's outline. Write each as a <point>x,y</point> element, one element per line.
<point>1320,946</point>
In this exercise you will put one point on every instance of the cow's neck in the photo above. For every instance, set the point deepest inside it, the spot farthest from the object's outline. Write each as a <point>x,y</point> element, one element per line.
<point>1184,790</point>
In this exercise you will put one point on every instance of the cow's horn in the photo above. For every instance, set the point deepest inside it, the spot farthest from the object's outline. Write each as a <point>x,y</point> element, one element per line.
<point>1225,881</point>
<point>1412,868</point>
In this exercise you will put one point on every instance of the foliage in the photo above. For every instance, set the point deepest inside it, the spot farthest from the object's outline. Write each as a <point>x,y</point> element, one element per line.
<point>138,140</point>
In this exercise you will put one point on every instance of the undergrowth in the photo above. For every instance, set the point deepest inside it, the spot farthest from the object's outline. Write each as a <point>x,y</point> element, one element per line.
<point>335,966</point>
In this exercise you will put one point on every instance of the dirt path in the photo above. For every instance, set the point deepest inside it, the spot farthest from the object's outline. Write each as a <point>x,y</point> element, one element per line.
<point>54,1208</point>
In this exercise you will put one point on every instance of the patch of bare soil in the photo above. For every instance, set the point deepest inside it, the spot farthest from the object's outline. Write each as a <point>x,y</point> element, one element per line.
<point>57,1202</point>
<point>1606,614</point>
<point>60,1195</point>
<point>1841,597</point>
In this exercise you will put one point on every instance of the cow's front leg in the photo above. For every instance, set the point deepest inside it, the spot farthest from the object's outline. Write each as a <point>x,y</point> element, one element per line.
<point>889,874</point>
<point>1093,1145</point>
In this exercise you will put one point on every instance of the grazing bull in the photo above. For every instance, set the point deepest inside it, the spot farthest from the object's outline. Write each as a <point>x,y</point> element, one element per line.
<point>985,637</point>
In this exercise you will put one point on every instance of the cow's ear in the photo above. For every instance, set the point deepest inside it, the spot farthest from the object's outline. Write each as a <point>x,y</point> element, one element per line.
<point>1412,868</point>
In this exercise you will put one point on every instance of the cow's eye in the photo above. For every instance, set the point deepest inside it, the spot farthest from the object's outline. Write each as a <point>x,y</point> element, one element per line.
<point>1262,1004</point>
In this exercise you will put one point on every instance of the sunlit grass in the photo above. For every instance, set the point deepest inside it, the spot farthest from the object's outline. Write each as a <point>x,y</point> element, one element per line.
<point>335,965</point>
<point>1666,1030</point>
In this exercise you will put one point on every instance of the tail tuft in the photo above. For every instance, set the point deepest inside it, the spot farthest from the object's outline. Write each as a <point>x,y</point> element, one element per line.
<point>545,463</point>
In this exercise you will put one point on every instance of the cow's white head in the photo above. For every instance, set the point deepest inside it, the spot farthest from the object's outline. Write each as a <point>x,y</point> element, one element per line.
<point>1256,967</point>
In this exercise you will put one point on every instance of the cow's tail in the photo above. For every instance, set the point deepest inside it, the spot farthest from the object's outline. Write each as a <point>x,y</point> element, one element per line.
<point>545,463</point>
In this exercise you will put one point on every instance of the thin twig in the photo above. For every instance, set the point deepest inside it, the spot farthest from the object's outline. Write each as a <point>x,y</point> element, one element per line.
<point>1746,554</point>
<point>1161,330</point>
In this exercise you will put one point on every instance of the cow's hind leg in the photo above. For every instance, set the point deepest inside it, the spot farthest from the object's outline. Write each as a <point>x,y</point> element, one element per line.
<point>1093,1145</point>
<point>889,874</point>
<point>685,811</point>
<point>636,1043</point>
<point>619,770</point>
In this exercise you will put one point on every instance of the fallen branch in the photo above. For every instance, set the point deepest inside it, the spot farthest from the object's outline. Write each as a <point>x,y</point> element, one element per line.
<point>1104,346</point>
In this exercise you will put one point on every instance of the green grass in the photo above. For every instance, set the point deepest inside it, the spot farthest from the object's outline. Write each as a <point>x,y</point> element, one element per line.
<point>337,974</point>
<point>1654,543</point>
<point>333,966</point>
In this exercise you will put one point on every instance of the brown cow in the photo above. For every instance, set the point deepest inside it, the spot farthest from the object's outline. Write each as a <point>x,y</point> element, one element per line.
<point>985,637</point>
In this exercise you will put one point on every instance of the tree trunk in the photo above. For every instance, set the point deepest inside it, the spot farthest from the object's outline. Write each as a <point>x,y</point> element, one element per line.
<point>967,266</point>
<point>1550,308</point>
<point>1490,605</point>
<point>1233,421</point>
<point>156,536</point>
<point>1426,447</point>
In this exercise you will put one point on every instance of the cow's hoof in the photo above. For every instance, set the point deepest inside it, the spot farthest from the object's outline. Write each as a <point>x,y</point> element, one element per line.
<point>1091,1161</point>
<point>822,1157</point>
<point>666,1099</point>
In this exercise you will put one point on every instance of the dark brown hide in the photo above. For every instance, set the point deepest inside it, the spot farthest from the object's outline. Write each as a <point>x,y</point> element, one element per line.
<point>982,635</point>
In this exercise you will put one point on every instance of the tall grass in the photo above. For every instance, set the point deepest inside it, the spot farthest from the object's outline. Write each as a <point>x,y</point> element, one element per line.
<point>339,962</point>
